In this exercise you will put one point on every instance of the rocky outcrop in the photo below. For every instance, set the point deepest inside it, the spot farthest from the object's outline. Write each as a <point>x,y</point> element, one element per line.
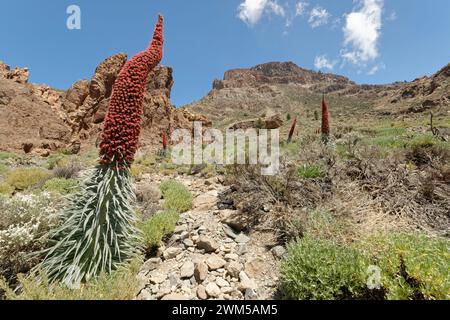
<point>274,73</point>
<point>19,75</point>
<point>271,122</point>
<point>48,119</point>
<point>86,103</point>
<point>27,124</point>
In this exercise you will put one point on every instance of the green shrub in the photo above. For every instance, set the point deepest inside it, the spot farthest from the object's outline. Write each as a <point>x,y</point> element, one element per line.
<point>8,155</point>
<point>176,196</point>
<point>61,185</point>
<point>53,160</point>
<point>317,269</point>
<point>157,227</point>
<point>310,171</point>
<point>412,266</point>
<point>6,189</point>
<point>24,178</point>
<point>119,285</point>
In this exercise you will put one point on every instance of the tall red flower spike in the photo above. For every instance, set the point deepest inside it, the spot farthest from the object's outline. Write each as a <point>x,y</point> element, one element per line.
<point>122,127</point>
<point>291,132</point>
<point>164,140</point>
<point>326,128</point>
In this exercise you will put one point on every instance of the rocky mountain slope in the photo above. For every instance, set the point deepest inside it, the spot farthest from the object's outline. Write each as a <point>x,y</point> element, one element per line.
<point>39,119</point>
<point>283,87</point>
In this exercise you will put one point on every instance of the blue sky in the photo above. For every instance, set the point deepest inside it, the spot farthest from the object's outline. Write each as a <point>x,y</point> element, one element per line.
<point>370,41</point>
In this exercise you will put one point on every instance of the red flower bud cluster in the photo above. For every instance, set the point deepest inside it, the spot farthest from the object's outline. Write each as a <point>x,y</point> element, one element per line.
<point>326,127</point>
<point>122,127</point>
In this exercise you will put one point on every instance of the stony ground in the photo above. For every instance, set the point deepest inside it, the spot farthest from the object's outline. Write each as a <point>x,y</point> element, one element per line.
<point>206,258</point>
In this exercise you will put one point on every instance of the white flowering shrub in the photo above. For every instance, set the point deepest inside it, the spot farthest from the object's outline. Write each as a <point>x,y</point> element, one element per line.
<point>25,221</point>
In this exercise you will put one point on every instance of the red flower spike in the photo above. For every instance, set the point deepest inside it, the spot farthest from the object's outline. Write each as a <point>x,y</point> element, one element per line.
<point>326,128</point>
<point>291,132</point>
<point>164,140</point>
<point>123,121</point>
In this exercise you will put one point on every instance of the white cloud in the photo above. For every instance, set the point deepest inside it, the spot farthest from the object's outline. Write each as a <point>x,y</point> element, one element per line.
<point>362,32</point>
<point>321,62</point>
<point>392,16</point>
<point>376,68</point>
<point>318,17</point>
<point>251,11</point>
<point>300,8</point>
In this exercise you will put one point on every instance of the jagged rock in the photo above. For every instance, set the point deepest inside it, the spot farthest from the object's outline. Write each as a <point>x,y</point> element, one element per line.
<point>242,238</point>
<point>205,201</point>
<point>254,267</point>
<point>187,270</point>
<point>222,282</point>
<point>278,251</point>
<point>213,290</point>
<point>157,277</point>
<point>201,293</point>
<point>171,252</point>
<point>27,120</point>
<point>201,272</point>
<point>214,262</point>
<point>207,244</point>
<point>234,268</point>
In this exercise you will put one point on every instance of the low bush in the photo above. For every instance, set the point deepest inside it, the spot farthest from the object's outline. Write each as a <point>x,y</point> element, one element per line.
<point>61,185</point>
<point>25,221</point>
<point>317,269</point>
<point>157,227</point>
<point>412,266</point>
<point>24,178</point>
<point>122,284</point>
<point>176,196</point>
<point>310,171</point>
<point>6,189</point>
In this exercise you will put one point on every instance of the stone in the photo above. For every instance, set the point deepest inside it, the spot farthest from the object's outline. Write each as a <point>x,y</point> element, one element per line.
<point>201,272</point>
<point>175,296</point>
<point>151,264</point>
<point>205,201</point>
<point>234,268</point>
<point>145,295</point>
<point>278,251</point>
<point>188,242</point>
<point>207,244</point>
<point>147,192</point>
<point>180,229</point>
<point>242,239</point>
<point>187,270</point>
<point>171,252</point>
<point>229,231</point>
<point>201,292</point>
<point>250,294</point>
<point>214,262</point>
<point>222,282</point>
<point>231,256</point>
<point>246,282</point>
<point>254,267</point>
<point>156,277</point>
<point>213,290</point>
<point>174,280</point>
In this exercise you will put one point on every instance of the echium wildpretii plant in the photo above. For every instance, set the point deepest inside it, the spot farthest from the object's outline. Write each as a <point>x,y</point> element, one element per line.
<point>326,127</point>
<point>98,231</point>
<point>292,131</point>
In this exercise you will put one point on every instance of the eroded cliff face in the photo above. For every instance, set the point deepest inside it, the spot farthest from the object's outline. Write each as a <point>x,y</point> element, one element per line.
<point>45,119</point>
<point>27,123</point>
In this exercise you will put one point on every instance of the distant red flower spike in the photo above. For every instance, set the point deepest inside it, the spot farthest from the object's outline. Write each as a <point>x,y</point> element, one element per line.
<point>164,140</point>
<point>125,105</point>
<point>291,132</point>
<point>326,127</point>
